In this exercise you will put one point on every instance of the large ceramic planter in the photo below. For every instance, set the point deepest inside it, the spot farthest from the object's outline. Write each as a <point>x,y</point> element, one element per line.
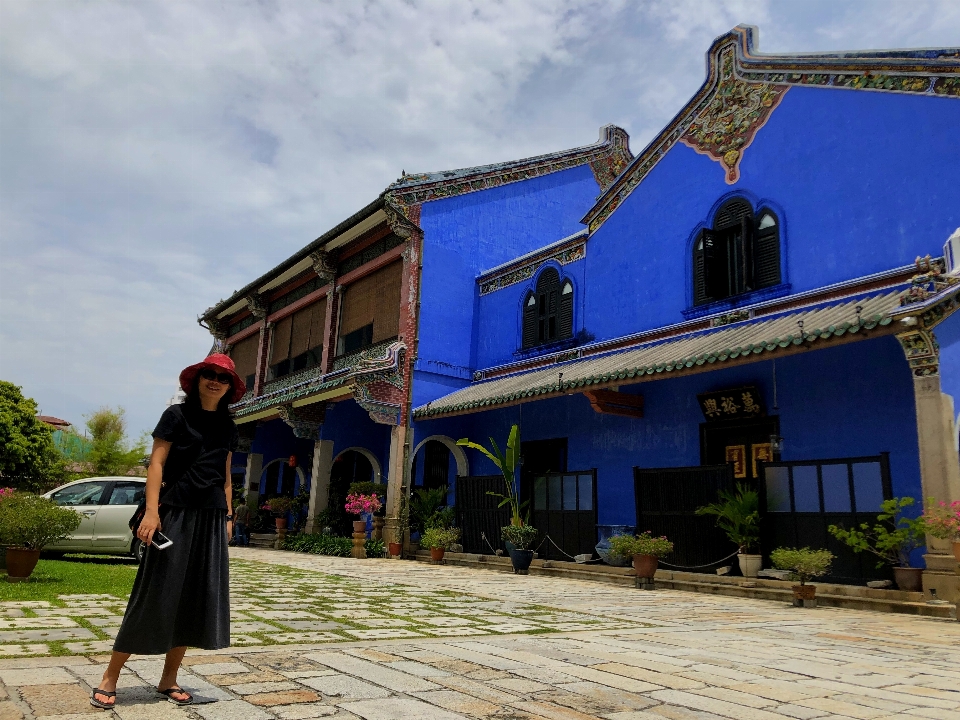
<point>281,523</point>
<point>521,560</point>
<point>750,565</point>
<point>908,579</point>
<point>396,549</point>
<point>436,554</point>
<point>645,565</point>
<point>20,563</point>
<point>956,550</point>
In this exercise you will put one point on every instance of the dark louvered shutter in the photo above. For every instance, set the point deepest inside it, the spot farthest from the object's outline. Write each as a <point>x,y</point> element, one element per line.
<point>530,321</point>
<point>767,261</point>
<point>699,272</point>
<point>731,214</point>
<point>565,319</point>
<point>714,270</point>
<point>746,254</point>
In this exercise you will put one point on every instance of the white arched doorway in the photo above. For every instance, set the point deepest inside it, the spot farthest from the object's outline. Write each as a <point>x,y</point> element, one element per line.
<point>278,478</point>
<point>457,452</point>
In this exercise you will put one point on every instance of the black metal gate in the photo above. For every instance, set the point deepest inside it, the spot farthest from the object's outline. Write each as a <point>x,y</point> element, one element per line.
<point>477,512</point>
<point>565,508</point>
<point>800,499</point>
<point>667,500</point>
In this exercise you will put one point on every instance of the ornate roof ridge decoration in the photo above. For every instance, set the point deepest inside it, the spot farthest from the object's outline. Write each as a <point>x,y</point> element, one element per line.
<point>380,362</point>
<point>566,251</point>
<point>934,72</point>
<point>607,158</point>
<point>792,330</point>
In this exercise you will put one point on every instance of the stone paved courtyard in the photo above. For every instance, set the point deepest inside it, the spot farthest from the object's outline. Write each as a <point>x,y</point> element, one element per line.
<point>381,639</point>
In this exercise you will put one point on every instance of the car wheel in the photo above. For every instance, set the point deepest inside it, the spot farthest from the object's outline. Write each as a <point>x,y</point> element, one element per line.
<point>138,550</point>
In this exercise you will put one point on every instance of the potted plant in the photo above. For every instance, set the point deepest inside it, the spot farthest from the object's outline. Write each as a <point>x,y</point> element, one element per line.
<point>359,504</point>
<point>27,524</point>
<point>507,464</point>
<point>891,539</point>
<point>279,506</point>
<point>521,537</point>
<point>372,488</point>
<point>645,550</point>
<point>403,523</point>
<point>738,515</point>
<point>804,564</point>
<point>942,521</point>
<point>438,540</point>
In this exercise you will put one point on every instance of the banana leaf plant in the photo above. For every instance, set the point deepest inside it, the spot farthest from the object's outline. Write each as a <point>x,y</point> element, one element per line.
<point>507,463</point>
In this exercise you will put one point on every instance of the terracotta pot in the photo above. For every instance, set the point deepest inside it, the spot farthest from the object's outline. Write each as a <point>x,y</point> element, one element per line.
<point>360,526</point>
<point>281,523</point>
<point>437,553</point>
<point>645,565</point>
<point>956,550</point>
<point>21,562</point>
<point>750,565</point>
<point>908,579</point>
<point>804,592</point>
<point>396,549</point>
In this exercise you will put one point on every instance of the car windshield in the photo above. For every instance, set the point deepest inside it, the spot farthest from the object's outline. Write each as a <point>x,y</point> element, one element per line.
<point>81,494</point>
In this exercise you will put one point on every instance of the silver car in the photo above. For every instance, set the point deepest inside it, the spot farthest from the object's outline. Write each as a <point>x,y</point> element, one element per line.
<point>105,505</point>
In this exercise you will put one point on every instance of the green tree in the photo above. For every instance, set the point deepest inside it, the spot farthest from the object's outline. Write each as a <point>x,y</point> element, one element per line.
<point>29,460</point>
<point>110,452</point>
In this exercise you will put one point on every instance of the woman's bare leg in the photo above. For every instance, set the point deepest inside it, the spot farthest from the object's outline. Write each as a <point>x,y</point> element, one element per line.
<point>171,667</point>
<point>111,675</point>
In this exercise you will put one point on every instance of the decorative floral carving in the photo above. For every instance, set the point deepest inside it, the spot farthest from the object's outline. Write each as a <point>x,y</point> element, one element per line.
<point>922,351</point>
<point>257,306</point>
<point>323,266</point>
<point>929,280</point>
<point>512,275</point>
<point>398,221</point>
<point>606,168</point>
<point>728,124</point>
<point>305,421</point>
<point>729,318</point>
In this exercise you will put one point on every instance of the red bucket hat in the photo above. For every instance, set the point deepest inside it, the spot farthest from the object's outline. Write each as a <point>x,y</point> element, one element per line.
<point>218,361</point>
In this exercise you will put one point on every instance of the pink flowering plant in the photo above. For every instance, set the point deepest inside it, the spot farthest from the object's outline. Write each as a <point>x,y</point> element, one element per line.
<point>358,504</point>
<point>6,493</point>
<point>942,520</point>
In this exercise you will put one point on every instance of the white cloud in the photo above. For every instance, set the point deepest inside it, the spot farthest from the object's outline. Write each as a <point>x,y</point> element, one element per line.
<point>155,156</point>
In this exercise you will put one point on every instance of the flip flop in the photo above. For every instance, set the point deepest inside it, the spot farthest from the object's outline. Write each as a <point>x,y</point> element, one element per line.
<point>176,689</point>
<point>100,703</point>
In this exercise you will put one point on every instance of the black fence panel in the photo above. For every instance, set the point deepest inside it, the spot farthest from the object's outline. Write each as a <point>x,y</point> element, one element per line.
<point>667,500</point>
<point>477,512</point>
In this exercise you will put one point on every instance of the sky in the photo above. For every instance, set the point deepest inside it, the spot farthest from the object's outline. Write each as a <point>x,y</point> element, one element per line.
<point>155,156</point>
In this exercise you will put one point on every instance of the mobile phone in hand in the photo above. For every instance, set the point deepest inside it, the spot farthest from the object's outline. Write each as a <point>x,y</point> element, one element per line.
<point>161,541</point>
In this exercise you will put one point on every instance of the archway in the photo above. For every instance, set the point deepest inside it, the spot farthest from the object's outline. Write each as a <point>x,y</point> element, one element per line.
<point>352,465</point>
<point>278,478</point>
<point>437,461</point>
<point>456,452</point>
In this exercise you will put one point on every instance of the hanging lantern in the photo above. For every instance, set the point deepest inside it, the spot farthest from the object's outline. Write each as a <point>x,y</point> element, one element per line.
<point>292,462</point>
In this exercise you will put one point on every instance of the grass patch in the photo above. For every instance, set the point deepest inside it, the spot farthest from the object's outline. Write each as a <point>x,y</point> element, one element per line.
<point>73,576</point>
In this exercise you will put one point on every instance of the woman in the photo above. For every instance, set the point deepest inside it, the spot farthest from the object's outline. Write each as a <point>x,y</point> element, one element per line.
<point>181,598</point>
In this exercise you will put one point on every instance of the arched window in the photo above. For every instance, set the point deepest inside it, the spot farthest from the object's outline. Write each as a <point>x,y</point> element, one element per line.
<point>548,311</point>
<point>739,254</point>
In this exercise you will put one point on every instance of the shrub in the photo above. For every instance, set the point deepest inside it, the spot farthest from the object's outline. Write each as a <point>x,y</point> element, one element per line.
<point>942,521</point>
<point>738,515</point>
<point>280,505</point>
<point>376,548</point>
<point>522,536</point>
<point>32,522</point>
<point>439,537</point>
<point>319,545</point>
<point>891,539</point>
<point>804,563</point>
<point>367,488</point>
<point>645,544</point>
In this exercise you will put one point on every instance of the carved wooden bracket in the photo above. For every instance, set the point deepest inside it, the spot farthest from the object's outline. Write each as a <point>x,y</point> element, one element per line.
<point>611,402</point>
<point>323,265</point>
<point>306,420</point>
<point>257,306</point>
<point>922,351</point>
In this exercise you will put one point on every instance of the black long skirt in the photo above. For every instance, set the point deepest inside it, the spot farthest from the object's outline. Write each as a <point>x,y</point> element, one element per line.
<point>182,594</point>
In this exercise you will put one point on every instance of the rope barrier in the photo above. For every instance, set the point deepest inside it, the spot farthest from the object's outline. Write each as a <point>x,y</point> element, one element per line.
<point>694,567</point>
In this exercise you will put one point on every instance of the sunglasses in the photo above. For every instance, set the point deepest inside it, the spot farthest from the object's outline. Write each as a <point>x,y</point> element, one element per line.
<point>208,374</point>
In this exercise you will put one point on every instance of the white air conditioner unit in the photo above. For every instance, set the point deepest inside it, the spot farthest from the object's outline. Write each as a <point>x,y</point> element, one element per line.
<point>951,252</point>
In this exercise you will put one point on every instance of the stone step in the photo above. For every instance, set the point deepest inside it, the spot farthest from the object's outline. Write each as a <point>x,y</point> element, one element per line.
<point>263,540</point>
<point>828,594</point>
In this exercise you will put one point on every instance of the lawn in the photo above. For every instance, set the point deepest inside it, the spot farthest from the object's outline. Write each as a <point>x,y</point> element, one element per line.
<point>74,575</point>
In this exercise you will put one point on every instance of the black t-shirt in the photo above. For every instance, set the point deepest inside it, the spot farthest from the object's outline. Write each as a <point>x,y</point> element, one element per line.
<point>195,472</point>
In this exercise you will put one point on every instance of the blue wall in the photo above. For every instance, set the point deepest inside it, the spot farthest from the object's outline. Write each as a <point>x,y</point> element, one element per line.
<point>948,335</point>
<point>864,182</point>
<point>846,401</point>
<point>470,233</point>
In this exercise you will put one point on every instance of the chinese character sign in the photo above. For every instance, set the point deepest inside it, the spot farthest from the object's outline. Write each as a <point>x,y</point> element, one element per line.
<point>736,403</point>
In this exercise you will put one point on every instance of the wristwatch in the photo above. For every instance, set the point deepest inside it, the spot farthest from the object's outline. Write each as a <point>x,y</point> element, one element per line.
<point>230,517</point>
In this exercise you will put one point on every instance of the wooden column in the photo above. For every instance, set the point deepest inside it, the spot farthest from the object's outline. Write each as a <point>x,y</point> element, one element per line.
<point>258,308</point>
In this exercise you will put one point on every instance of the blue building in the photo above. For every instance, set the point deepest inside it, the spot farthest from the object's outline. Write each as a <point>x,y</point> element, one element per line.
<point>742,301</point>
